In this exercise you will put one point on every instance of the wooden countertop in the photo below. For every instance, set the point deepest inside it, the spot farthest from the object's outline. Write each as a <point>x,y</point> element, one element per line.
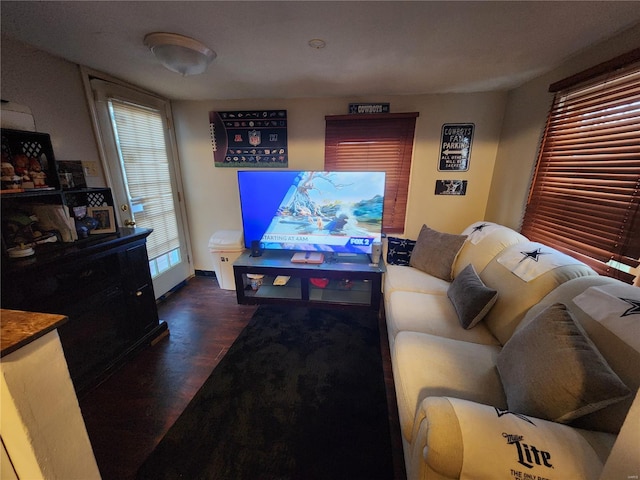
<point>18,328</point>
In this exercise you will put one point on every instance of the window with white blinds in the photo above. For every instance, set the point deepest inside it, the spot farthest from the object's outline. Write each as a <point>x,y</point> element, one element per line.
<point>382,143</point>
<point>585,195</point>
<point>139,134</point>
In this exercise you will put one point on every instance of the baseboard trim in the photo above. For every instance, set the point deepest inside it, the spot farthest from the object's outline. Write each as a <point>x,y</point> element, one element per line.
<point>205,273</point>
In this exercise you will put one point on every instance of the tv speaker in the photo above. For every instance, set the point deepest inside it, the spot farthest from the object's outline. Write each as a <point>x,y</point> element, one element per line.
<point>256,251</point>
<point>376,252</point>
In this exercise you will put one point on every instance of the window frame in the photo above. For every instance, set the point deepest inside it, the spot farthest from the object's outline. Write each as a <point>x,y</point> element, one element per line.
<point>584,197</point>
<point>375,142</point>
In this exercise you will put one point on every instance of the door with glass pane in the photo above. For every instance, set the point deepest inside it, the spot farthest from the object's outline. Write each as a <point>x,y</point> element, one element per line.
<point>144,176</point>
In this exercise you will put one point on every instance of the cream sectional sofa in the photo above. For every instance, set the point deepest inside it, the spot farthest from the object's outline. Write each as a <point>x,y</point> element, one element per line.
<point>538,388</point>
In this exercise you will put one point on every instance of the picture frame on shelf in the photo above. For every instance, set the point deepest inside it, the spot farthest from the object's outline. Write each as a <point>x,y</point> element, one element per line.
<point>105,217</point>
<point>71,175</point>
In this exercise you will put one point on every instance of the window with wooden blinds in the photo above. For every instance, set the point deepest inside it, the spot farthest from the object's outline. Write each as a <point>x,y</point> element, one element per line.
<point>375,143</point>
<point>585,195</point>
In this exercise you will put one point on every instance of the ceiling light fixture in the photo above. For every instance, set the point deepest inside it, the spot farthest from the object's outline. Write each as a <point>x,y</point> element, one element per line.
<point>180,54</point>
<point>317,43</point>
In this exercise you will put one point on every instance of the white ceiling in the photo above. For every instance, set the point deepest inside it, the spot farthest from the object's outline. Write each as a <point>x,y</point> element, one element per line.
<point>372,47</point>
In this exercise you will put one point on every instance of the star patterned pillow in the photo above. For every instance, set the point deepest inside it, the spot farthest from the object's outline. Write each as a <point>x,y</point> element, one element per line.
<point>399,250</point>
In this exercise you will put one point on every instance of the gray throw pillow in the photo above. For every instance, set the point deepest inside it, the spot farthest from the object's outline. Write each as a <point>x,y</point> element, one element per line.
<point>435,252</point>
<point>471,298</point>
<point>550,369</point>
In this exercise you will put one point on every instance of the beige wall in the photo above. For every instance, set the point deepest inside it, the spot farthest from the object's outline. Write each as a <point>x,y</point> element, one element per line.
<point>52,88</point>
<point>524,120</point>
<point>211,193</point>
<point>502,159</point>
<point>56,98</point>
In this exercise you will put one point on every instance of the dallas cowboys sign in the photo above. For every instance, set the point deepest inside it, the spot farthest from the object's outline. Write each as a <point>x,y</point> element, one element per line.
<point>455,148</point>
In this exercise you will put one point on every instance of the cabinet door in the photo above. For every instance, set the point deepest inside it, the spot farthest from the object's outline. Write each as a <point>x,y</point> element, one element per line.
<point>144,313</point>
<point>95,335</point>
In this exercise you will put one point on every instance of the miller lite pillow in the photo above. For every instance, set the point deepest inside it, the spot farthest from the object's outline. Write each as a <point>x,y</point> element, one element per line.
<point>550,369</point>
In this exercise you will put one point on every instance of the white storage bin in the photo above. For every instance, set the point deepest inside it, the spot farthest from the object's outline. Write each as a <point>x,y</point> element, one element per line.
<point>225,247</point>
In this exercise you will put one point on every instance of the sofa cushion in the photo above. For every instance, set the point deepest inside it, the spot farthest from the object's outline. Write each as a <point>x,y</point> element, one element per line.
<point>435,252</point>
<point>515,295</point>
<point>427,365</point>
<point>615,347</point>
<point>529,264</point>
<point>399,250</point>
<point>617,309</point>
<point>433,314</point>
<point>411,279</point>
<point>485,241</point>
<point>551,370</point>
<point>471,298</point>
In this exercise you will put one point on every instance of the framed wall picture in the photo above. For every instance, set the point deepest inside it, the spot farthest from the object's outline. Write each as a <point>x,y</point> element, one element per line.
<point>249,138</point>
<point>105,217</point>
<point>451,187</point>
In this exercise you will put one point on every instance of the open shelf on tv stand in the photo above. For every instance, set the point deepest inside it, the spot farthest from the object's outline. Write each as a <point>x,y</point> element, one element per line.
<point>341,280</point>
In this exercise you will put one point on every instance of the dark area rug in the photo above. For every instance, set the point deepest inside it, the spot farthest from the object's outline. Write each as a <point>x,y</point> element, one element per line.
<point>299,395</point>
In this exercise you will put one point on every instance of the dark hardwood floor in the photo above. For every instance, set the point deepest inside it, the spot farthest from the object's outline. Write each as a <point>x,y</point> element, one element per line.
<point>128,414</point>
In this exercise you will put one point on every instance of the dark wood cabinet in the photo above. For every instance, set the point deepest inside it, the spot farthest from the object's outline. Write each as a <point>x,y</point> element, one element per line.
<point>139,289</point>
<point>101,282</point>
<point>103,285</point>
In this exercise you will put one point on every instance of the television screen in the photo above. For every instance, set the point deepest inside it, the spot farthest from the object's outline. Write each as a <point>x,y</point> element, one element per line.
<point>312,211</point>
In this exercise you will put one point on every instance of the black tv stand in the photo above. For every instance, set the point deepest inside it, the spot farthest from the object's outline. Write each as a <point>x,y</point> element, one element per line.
<point>341,280</point>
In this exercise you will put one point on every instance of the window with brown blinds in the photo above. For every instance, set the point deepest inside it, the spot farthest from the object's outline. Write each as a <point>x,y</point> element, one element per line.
<point>585,194</point>
<point>374,142</point>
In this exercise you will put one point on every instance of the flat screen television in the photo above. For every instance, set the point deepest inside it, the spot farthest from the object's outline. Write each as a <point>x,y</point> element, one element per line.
<point>312,211</point>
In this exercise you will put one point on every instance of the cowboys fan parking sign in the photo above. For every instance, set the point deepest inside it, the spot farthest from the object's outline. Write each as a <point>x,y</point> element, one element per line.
<point>249,138</point>
<point>455,148</point>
